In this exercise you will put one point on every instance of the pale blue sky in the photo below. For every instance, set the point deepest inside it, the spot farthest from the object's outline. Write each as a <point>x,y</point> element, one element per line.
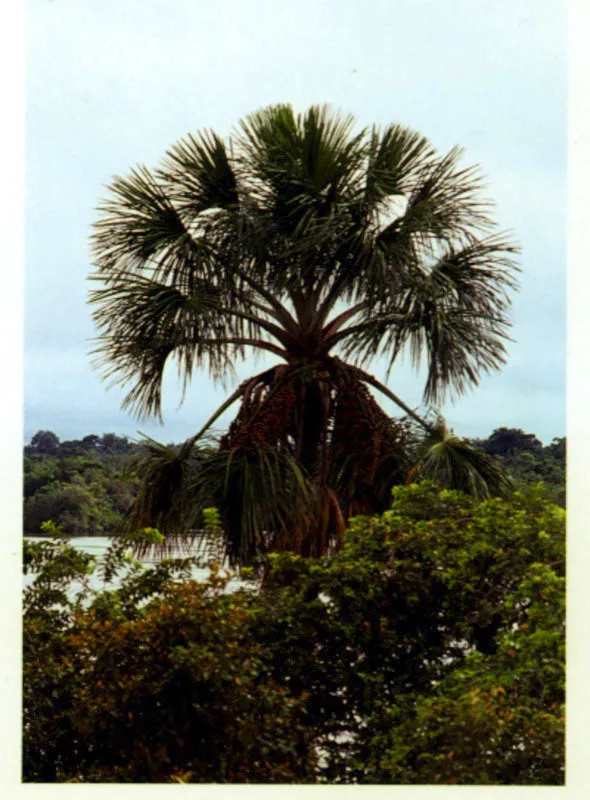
<point>112,83</point>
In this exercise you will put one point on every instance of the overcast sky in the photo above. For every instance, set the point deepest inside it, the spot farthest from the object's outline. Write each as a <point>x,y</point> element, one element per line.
<point>112,83</point>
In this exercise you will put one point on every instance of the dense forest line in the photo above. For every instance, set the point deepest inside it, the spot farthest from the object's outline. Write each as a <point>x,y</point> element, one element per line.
<point>88,485</point>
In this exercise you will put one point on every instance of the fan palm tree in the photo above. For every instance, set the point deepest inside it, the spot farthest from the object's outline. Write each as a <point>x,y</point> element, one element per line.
<point>325,247</point>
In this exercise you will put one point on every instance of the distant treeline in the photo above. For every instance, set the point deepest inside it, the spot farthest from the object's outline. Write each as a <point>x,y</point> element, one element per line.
<point>85,485</point>
<point>528,461</point>
<point>47,443</point>
<point>88,485</point>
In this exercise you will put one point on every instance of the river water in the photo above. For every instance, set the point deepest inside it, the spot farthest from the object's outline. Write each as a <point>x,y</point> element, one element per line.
<point>98,545</point>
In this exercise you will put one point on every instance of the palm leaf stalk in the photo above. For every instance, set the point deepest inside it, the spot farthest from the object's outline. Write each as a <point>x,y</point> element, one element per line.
<point>322,247</point>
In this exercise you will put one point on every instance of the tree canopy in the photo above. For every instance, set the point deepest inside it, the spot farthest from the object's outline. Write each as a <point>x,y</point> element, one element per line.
<point>325,246</point>
<point>510,441</point>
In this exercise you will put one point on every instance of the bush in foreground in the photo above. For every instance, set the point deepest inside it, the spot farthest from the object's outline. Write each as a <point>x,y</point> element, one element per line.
<point>428,650</point>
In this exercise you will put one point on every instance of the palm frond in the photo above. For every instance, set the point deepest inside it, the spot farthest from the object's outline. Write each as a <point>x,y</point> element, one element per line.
<point>304,167</point>
<point>454,313</point>
<point>136,224</point>
<point>198,175</point>
<point>181,223</point>
<point>143,322</point>
<point>453,463</point>
<point>447,200</point>
<point>311,151</point>
<point>395,158</point>
<point>164,500</point>
<point>260,492</point>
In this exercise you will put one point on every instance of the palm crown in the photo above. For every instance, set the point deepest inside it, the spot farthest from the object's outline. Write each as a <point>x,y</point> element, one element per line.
<point>321,245</point>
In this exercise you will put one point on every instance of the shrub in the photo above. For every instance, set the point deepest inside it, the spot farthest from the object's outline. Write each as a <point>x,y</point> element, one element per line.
<point>436,602</point>
<point>428,650</point>
<point>155,681</point>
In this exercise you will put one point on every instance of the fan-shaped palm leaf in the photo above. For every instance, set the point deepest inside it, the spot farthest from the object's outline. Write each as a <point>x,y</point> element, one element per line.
<point>452,462</point>
<point>451,311</point>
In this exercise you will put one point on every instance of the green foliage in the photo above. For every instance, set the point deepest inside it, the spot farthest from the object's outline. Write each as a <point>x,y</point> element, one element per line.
<point>523,457</point>
<point>154,681</point>
<point>428,650</point>
<point>45,442</point>
<point>391,622</point>
<point>511,441</point>
<point>543,467</point>
<point>87,489</point>
<point>72,506</point>
<point>450,461</point>
<point>54,565</point>
<point>38,473</point>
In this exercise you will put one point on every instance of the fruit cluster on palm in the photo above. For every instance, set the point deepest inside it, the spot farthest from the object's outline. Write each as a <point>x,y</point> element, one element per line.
<point>324,247</point>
